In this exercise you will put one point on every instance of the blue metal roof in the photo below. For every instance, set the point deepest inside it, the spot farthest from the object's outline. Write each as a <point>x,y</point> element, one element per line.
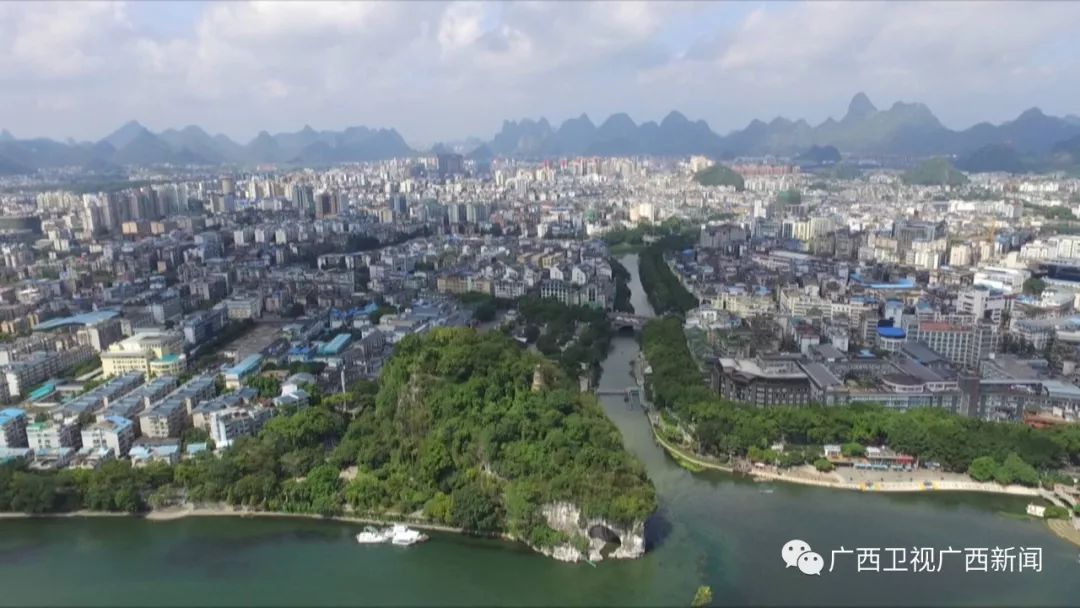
<point>42,391</point>
<point>334,346</point>
<point>9,414</point>
<point>86,318</point>
<point>249,363</point>
<point>891,332</point>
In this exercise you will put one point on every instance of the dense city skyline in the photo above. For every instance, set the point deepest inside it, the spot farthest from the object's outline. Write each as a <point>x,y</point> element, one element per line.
<point>735,290</point>
<point>237,68</point>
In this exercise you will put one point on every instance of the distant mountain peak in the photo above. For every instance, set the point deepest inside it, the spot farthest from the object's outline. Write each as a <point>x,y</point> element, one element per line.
<point>6,135</point>
<point>860,106</point>
<point>193,130</point>
<point>674,117</point>
<point>621,117</point>
<point>582,121</point>
<point>127,133</point>
<point>1031,113</point>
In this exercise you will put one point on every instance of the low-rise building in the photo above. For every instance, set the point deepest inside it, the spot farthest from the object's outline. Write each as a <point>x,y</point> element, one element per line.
<point>154,353</point>
<point>113,433</point>
<point>235,375</point>
<point>19,376</point>
<point>52,435</point>
<point>143,454</point>
<point>166,418</point>
<point>228,425</point>
<point>12,428</point>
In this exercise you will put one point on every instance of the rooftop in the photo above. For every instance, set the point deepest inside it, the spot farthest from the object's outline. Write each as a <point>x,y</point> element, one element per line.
<point>891,332</point>
<point>86,318</point>
<point>11,413</point>
<point>247,365</point>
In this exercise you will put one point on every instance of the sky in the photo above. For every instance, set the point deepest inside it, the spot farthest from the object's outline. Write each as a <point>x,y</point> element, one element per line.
<point>440,71</point>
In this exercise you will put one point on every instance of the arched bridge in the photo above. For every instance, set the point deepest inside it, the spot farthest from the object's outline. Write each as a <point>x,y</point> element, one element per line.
<point>621,320</point>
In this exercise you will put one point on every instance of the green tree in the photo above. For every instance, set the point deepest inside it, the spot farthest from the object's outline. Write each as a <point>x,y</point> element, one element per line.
<point>823,465</point>
<point>32,493</point>
<point>853,450</point>
<point>531,333</point>
<point>982,468</point>
<point>195,435</point>
<point>266,385</point>
<point>1034,286</point>
<point>703,596</point>
<point>475,509</point>
<point>719,175</point>
<point>1056,512</point>
<point>1015,470</point>
<point>485,312</point>
<point>440,508</point>
<point>789,197</point>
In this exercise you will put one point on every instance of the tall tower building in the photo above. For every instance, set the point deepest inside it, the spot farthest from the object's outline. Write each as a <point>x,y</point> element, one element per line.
<point>326,205</point>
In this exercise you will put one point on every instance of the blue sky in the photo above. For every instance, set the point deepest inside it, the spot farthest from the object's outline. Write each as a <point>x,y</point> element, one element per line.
<point>446,70</point>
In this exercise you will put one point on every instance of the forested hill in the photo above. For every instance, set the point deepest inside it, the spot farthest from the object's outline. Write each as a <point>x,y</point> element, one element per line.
<point>465,428</point>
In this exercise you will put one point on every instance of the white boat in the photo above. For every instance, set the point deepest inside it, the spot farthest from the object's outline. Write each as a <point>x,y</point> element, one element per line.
<point>372,535</point>
<point>403,536</point>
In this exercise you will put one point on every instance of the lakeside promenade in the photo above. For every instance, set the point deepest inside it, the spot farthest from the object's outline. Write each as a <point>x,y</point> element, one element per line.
<point>1066,529</point>
<point>918,485</point>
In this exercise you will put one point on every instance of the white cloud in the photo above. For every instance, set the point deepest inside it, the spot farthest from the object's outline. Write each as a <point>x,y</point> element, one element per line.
<point>967,60</point>
<point>56,41</point>
<point>439,69</point>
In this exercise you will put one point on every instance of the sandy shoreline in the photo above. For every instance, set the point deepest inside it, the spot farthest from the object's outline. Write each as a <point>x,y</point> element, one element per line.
<point>876,486</point>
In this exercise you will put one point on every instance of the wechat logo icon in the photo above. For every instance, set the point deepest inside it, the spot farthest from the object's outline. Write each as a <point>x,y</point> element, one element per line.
<point>797,553</point>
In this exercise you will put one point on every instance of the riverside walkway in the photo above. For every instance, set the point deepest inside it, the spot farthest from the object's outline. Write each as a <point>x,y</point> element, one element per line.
<point>922,485</point>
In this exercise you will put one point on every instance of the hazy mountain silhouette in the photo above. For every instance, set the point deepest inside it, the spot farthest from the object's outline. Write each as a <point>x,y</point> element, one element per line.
<point>904,129</point>
<point>134,144</point>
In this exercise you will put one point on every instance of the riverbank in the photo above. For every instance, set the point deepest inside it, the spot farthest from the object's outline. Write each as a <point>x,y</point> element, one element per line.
<point>178,513</point>
<point>925,485</point>
<point>190,511</point>
<point>1065,529</point>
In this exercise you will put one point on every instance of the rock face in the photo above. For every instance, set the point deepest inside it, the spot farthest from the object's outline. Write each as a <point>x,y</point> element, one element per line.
<point>594,533</point>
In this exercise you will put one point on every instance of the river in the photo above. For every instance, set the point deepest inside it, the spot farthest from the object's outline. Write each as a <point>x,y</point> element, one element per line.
<point>711,528</point>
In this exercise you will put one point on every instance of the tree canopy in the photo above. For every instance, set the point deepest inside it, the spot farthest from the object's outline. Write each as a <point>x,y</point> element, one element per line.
<point>665,292</point>
<point>958,443</point>
<point>458,431</point>
<point>720,175</point>
<point>935,172</point>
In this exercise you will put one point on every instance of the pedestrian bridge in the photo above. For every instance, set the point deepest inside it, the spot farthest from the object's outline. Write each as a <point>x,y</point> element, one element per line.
<point>633,395</point>
<point>622,320</point>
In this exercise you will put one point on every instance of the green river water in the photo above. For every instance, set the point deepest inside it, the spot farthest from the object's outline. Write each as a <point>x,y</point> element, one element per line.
<point>711,528</point>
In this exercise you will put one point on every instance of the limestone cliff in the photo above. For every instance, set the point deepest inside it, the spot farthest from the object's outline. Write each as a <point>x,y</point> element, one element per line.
<point>588,536</point>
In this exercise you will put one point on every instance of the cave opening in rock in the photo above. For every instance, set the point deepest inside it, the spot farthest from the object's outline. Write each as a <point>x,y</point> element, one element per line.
<point>605,534</point>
